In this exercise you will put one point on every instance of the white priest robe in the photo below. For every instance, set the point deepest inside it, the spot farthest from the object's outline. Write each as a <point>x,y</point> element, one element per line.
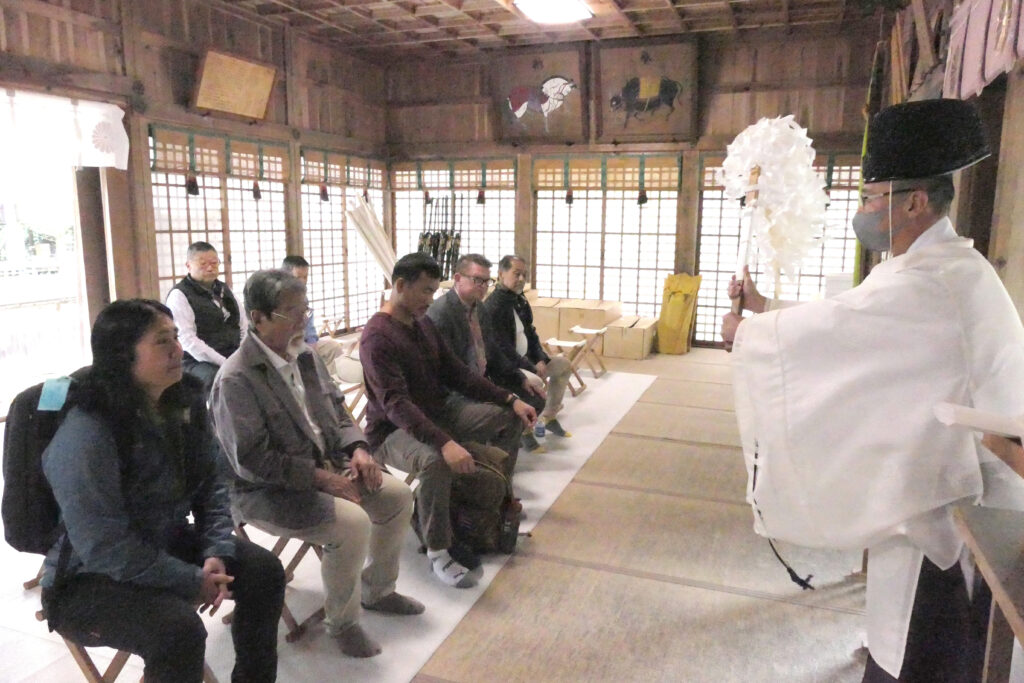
<point>835,406</point>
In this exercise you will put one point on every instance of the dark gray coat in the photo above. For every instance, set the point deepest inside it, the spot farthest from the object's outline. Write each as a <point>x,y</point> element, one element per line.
<point>268,441</point>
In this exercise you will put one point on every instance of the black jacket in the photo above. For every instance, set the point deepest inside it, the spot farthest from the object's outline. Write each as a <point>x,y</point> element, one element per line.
<point>499,327</point>
<point>449,317</point>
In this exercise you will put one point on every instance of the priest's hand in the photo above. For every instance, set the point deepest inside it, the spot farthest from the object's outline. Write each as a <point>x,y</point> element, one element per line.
<point>730,323</point>
<point>1008,451</point>
<point>752,299</point>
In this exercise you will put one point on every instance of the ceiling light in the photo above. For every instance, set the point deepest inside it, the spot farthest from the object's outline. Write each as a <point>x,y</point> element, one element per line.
<point>554,11</point>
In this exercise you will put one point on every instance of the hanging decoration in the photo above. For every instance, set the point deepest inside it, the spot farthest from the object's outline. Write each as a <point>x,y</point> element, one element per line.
<point>784,211</point>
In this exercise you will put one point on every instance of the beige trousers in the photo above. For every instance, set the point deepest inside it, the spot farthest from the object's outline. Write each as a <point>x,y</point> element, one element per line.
<point>369,533</point>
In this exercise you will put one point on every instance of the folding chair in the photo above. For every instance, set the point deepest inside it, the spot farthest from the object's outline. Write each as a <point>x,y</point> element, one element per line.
<point>91,671</point>
<point>580,351</point>
<point>571,349</point>
<point>589,353</point>
<point>295,628</point>
<point>355,401</point>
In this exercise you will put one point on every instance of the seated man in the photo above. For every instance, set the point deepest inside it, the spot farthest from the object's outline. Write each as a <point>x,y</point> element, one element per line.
<point>515,358</point>
<point>456,314</point>
<point>301,469</point>
<point>424,404</point>
<point>329,350</point>
<point>206,314</point>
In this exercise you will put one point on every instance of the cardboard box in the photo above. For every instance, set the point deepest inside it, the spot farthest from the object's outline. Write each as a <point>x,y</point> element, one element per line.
<point>589,313</point>
<point>545,317</point>
<point>615,337</point>
<point>630,337</point>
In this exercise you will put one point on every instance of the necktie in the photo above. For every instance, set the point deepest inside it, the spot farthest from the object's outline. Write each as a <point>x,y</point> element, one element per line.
<point>478,342</point>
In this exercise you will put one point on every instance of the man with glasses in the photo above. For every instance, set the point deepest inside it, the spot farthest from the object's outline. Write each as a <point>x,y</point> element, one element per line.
<point>301,469</point>
<point>835,400</point>
<point>206,314</point>
<point>456,314</point>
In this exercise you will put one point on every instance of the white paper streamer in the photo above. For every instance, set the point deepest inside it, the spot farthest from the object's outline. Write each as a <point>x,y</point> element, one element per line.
<point>789,212</point>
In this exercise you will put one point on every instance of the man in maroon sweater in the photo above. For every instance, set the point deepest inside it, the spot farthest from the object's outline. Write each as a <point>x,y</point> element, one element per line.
<point>424,401</point>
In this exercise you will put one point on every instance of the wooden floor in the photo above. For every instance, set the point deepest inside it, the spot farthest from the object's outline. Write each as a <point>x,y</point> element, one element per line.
<point>646,568</point>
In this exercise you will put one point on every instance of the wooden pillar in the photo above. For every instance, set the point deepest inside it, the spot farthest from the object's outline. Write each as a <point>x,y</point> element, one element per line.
<point>94,251</point>
<point>128,211</point>
<point>1006,244</point>
<point>293,187</point>
<point>120,236</point>
<point>525,240</point>
<point>688,214</point>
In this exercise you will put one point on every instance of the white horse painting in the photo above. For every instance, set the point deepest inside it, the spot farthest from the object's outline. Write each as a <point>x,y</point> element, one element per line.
<point>545,99</point>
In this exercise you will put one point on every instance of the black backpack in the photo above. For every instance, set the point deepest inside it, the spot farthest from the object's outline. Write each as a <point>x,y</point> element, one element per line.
<point>30,513</point>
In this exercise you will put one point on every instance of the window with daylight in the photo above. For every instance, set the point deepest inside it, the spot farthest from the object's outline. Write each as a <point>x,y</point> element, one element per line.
<point>472,199</point>
<point>605,244</point>
<point>719,243</point>
<point>345,281</point>
<point>236,203</point>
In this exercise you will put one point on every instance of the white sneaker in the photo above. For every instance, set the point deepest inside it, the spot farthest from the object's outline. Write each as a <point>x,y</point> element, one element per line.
<point>449,571</point>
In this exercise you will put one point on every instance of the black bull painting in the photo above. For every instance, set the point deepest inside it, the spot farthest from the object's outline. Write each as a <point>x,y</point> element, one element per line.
<point>642,94</point>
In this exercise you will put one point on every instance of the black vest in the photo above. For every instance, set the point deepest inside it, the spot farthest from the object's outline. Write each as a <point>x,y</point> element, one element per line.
<point>222,335</point>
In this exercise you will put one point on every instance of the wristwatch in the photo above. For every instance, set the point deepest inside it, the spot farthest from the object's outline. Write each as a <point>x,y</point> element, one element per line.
<point>512,398</point>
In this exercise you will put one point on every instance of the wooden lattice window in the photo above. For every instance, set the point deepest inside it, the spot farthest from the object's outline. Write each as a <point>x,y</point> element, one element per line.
<point>486,228</point>
<point>345,281</point>
<point>244,224</point>
<point>606,244</point>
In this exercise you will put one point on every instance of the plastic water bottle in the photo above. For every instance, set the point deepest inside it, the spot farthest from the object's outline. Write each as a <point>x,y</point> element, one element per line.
<point>539,430</point>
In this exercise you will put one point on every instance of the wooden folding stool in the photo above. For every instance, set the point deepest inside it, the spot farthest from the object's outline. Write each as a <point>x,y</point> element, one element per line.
<point>295,628</point>
<point>91,671</point>
<point>355,401</point>
<point>589,353</point>
<point>572,350</point>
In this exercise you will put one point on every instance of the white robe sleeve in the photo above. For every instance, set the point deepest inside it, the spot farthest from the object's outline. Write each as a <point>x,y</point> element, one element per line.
<point>836,397</point>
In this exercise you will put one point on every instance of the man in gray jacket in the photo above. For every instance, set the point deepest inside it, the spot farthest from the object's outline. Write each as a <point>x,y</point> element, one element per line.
<point>301,468</point>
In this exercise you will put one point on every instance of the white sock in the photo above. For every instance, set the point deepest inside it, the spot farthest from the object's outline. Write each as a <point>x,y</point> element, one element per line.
<point>448,570</point>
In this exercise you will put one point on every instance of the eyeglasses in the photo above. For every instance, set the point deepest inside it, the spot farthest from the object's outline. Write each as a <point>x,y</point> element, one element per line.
<point>865,199</point>
<point>306,315</point>
<point>479,281</point>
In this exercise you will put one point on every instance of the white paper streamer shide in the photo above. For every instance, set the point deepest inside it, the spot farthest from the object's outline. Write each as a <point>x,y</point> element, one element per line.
<point>787,219</point>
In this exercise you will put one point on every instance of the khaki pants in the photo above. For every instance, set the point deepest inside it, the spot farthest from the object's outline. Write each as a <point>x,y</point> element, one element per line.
<point>373,531</point>
<point>465,421</point>
<point>559,370</point>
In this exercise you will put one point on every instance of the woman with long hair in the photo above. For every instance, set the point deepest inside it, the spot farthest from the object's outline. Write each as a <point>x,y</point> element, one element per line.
<point>132,460</point>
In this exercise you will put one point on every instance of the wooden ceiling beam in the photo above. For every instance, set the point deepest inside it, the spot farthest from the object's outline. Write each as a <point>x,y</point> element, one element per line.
<point>733,23</point>
<point>625,18</point>
<point>680,21</point>
<point>368,16</point>
<point>457,6</point>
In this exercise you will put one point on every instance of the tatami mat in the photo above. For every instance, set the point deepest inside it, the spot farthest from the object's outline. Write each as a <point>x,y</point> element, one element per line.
<point>553,621</point>
<point>655,465</point>
<point>681,423</point>
<point>679,392</point>
<point>698,541</point>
